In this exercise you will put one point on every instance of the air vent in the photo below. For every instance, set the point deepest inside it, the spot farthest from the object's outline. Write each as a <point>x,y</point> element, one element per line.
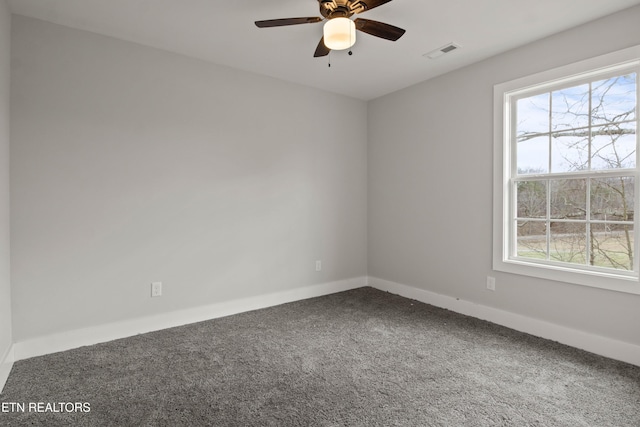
<point>442,50</point>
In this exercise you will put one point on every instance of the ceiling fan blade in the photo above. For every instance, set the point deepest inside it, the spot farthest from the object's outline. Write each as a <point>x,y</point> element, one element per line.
<point>379,29</point>
<point>370,4</point>
<point>287,21</point>
<point>321,50</point>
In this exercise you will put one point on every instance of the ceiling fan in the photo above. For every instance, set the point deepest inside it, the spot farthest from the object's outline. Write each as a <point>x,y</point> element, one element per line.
<point>339,30</point>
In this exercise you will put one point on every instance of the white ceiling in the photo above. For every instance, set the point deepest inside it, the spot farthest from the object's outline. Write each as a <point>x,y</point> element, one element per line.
<point>223,32</point>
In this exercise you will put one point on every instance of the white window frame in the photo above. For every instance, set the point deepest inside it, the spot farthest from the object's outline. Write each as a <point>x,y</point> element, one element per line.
<point>622,281</point>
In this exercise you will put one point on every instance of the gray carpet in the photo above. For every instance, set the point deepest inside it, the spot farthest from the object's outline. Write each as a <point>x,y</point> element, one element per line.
<point>357,358</point>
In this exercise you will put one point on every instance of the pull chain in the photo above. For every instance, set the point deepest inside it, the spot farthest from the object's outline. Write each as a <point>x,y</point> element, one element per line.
<point>350,38</point>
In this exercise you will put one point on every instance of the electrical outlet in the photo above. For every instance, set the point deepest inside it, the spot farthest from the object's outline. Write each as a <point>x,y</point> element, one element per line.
<point>318,265</point>
<point>156,289</point>
<point>491,283</point>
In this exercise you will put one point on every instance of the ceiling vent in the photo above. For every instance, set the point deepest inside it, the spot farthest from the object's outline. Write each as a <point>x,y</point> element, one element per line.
<point>450,47</point>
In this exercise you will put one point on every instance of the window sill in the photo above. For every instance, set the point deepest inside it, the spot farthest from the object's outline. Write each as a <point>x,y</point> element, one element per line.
<point>596,279</point>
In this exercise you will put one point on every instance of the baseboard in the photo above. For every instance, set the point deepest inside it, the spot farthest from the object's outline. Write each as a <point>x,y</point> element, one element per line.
<point>109,332</point>
<point>6,363</point>
<point>597,344</point>
<point>603,346</point>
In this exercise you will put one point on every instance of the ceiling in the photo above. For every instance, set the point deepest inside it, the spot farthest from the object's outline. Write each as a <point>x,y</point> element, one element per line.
<point>223,32</point>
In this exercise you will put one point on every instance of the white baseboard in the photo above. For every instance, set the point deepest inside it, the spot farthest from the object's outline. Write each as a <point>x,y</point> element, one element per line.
<point>109,332</point>
<point>6,363</point>
<point>597,344</point>
<point>603,346</point>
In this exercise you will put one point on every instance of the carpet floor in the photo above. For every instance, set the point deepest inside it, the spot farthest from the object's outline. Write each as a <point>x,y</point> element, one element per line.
<point>357,358</point>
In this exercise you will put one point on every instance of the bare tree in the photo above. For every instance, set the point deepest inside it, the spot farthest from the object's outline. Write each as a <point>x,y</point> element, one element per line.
<point>585,128</point>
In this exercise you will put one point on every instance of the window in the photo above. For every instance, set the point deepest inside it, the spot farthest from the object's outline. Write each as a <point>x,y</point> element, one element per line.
<point>567,174</point>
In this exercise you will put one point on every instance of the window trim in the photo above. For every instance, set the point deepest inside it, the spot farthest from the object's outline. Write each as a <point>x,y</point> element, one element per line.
<point>622,281</point>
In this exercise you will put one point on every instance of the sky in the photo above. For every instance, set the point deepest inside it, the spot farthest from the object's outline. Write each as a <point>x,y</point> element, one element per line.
<point>564,114</point>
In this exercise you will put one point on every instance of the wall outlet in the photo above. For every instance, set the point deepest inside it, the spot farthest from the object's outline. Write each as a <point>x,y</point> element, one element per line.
<point>156,289</point>
<point>318,265</point>
<point>491,283</point>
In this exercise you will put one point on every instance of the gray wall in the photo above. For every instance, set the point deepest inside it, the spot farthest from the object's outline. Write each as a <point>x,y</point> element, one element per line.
<point>430,187</point>
<point>132,165</point>
<point>5,287</point>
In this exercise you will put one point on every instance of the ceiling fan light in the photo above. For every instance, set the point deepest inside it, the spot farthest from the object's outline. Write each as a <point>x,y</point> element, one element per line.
<point>339,33</point>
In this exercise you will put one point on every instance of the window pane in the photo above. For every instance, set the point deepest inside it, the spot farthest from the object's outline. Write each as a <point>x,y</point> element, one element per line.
<point>570,108</point>
<point>532,199</point>
<point>612,246</point>
<point>532,239</point>
<point>532,115</point>
<point>568,199</point>
<point>533,155</point>
<point>614,99</point>
<point>614,146</point>
<point>569,151</point>
<point>569,140</point>
<point>568,242</point>
<point>612,199</point>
